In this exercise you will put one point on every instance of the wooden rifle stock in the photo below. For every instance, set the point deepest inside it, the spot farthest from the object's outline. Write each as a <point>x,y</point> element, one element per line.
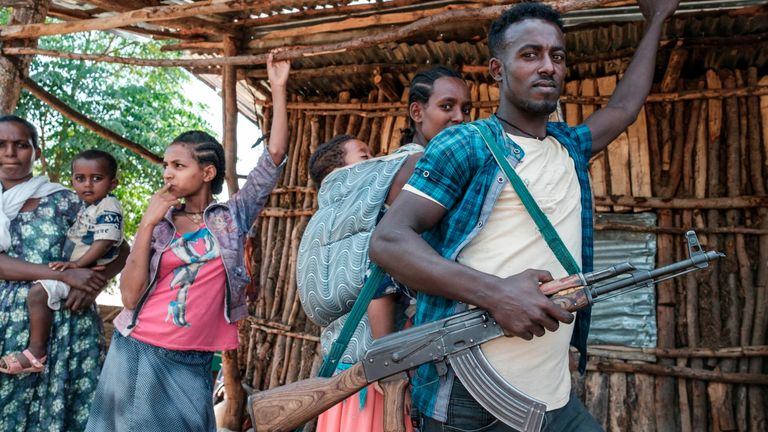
<point>287,407</point>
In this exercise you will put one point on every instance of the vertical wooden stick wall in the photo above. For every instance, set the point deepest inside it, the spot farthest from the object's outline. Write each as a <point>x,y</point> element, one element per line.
<point>695,149</point>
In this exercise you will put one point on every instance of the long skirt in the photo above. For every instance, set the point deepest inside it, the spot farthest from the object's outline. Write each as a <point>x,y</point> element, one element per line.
<point>145,388</point>
<point>348,416</point>
<point>59,398</point>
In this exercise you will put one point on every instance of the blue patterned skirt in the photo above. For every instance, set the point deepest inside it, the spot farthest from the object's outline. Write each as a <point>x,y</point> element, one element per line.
<point>59,398</point>
<point>146,388</point>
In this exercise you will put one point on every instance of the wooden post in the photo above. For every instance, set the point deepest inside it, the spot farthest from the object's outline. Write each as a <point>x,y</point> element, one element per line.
<point>14,69</point>
<point>665,292</point>
<point>233,416</point>
<point>757,417</point>
<point>229,102</point>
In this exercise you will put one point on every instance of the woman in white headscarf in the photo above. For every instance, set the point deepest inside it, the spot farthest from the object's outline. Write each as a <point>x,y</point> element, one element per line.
<point>34,217</point>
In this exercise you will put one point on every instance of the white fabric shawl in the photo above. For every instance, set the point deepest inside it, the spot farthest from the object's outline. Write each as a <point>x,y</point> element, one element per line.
<point>14,198</point>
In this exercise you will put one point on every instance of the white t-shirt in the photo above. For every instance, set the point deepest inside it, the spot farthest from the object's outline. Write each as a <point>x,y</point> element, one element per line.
<point>100,221</point>
<point>510,243</point>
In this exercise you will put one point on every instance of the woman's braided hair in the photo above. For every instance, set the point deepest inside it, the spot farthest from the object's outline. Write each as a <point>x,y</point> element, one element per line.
<point>328,157</point>
<point>420,90</point>
<point>207,151</point>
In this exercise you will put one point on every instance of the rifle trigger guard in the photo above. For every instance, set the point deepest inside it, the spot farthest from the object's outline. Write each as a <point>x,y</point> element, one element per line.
<point>442,368</point>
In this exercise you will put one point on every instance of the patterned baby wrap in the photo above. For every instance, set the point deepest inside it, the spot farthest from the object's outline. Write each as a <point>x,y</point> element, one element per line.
<point>333,254</point>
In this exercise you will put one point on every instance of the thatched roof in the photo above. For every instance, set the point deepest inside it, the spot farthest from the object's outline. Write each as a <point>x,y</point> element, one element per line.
<point>724,33</point>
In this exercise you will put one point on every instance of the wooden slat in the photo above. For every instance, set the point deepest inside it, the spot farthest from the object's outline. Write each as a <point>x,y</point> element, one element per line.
<point>597,164</point>
<point>764,122</point>
<point>474,90</point>
<point>639,157</point>
<point>572,111</point>
<point>493,95</point>
<point>485,112</point>
<point>401,121</point>
<point>617,151</point>
<point>618,420</point>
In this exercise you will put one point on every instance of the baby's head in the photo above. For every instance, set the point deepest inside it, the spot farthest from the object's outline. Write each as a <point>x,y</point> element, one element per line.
<point>341,150</point>
<point>94,175</point>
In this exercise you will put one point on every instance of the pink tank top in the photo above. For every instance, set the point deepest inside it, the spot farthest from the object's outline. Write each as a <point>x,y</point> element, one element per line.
<point>185,311</point>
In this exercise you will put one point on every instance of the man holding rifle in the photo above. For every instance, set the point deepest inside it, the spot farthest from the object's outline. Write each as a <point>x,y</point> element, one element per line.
<point>480,237</point>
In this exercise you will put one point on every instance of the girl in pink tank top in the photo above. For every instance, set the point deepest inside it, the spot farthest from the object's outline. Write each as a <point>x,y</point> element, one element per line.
<point>183,285</point>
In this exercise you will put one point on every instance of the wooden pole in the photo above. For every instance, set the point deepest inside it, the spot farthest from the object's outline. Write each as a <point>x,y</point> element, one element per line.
<point>723,203</point>
<point>89,124</point>
<point>14,70</point>
<point>233,414</point>
<point>753,351</point>
<point>757,411</point>
<point>229,99</point>
<point>682,372</point>
<point>665,292</point>
<point>679,230</point>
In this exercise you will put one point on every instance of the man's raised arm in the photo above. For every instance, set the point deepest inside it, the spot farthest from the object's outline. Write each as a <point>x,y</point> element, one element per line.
<point>631,92</point>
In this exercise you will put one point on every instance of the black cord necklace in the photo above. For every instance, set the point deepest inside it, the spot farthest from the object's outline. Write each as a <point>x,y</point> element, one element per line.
<point>528,134</point>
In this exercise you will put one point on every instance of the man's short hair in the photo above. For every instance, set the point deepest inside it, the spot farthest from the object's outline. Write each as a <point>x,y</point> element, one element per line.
<point>517,13</point>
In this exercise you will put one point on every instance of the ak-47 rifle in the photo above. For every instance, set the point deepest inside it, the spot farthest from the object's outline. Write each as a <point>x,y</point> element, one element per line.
<point>451,339</point>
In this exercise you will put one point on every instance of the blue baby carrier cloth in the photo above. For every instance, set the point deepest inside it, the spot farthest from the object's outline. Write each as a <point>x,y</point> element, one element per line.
<point>333,255</point>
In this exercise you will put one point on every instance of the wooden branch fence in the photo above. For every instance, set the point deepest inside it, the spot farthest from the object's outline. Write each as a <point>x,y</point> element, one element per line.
<point>700,162</point>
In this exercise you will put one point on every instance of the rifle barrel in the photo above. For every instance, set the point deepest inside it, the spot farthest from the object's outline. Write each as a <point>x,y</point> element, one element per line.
<point>643,277</point>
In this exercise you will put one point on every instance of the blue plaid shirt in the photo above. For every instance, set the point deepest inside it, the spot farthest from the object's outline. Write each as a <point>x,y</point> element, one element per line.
<point>459,172</point>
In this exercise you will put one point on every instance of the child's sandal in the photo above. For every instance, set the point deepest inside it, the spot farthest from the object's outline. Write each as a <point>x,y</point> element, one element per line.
<point>14,367</point>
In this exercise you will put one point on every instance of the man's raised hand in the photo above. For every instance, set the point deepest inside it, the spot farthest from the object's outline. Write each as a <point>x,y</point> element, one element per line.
<point>657,9</point>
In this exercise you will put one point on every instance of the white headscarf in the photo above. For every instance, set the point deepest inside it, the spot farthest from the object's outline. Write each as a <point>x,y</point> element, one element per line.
<point>14,198</point>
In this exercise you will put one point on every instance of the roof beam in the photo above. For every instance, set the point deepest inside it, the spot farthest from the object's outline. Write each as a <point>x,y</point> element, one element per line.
<point>143,15</point>
<point>356,69</point>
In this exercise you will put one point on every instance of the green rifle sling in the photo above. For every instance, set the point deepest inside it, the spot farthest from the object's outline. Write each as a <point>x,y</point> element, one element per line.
<point>358,310</point>
<point>542,222</point>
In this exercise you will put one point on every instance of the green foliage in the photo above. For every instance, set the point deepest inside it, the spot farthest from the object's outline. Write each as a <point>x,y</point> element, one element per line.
<point>145,105</point>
